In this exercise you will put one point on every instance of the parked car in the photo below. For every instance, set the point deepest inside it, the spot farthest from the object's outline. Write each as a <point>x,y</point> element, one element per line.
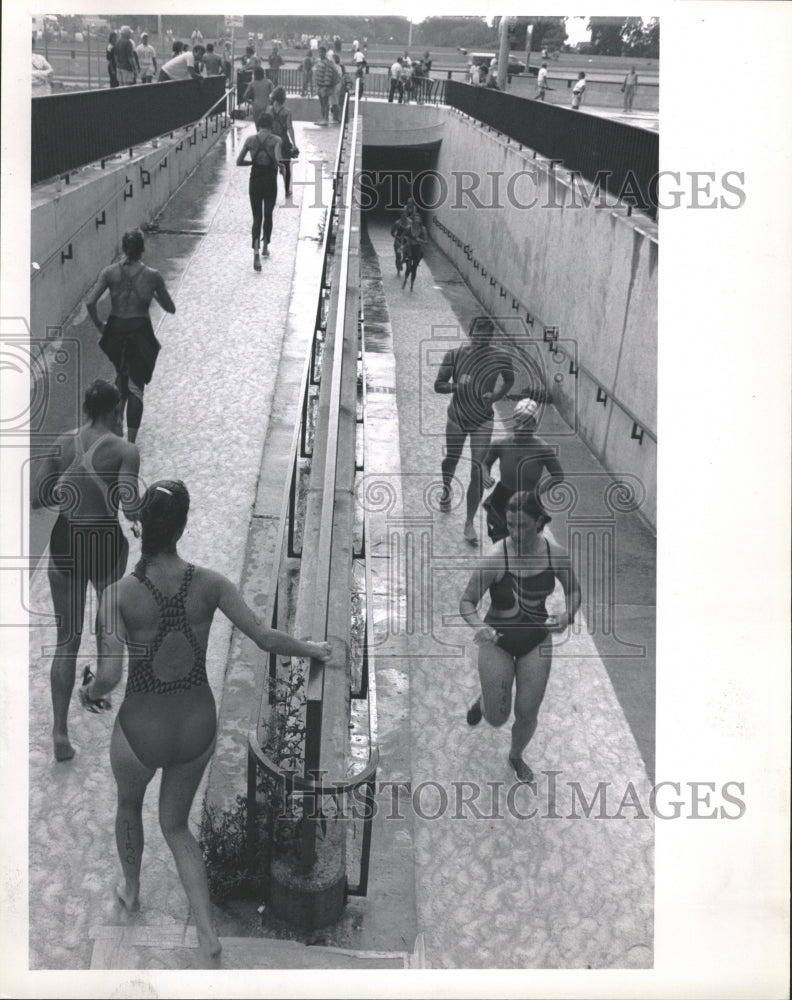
<point>485,58</point>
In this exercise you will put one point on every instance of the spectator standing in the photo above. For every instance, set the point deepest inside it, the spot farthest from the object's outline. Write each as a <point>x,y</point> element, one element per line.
<point>541,82</point>
<point>112,74</point>
<point>339,88</point>
<point>307,86</point>
<point>259,91</point>
<point>407,74</point>
<point>275,61</point>
<point>147,59</point>
<point>324,78</point>
<point>578,90</point>
<point>361,68</point>
<point>396,81</point>
<point>42,74</point>
<point>183,66</point>
<point>196,37</point>
<point>629,87</point>
<point>212,62</point>
<point>126,58</point>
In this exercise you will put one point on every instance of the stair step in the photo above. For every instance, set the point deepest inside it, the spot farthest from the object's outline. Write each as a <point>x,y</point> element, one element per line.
<point>176,947</point>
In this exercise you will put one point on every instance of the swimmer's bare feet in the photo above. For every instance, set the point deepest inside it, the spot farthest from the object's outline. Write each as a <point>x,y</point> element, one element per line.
<point>62,747</point>
<point>211,949</point>
<point>470,533</point>
<point>129,897</point>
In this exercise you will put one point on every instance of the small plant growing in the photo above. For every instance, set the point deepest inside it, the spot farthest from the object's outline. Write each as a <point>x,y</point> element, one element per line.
<point>232,871</point>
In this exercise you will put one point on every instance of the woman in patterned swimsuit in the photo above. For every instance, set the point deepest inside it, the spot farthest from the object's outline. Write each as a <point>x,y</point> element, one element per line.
<point>162,615</point>
<point>520,574</point>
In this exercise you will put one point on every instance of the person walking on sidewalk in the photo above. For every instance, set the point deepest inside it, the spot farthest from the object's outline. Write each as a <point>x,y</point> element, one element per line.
<point>128,337</point>
<point>307,87</point>
<point>283,128</point>
<point>470,373</point>
<point>520,574</point>
<point>93,473</point>
<point>162,615</point>
<point>265,156</point>
<point>541,82</point>
<point>259,91</point>
<point>523,458</point>
<point>629,87</point>
<point>324,78</point>
<point>578,91</point>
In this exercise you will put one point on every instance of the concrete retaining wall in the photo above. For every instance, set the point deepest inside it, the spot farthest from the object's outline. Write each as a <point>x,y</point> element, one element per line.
<point>589,271</point>
<point>76,228</point>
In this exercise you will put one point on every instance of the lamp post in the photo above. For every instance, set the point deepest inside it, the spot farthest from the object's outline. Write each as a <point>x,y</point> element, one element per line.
<point>503,53</point>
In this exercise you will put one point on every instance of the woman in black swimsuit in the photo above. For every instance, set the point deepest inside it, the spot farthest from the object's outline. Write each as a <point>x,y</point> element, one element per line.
<point>265,155</point>
<point>520,575</point>
<point>162,615</point>
<point>91,473</point>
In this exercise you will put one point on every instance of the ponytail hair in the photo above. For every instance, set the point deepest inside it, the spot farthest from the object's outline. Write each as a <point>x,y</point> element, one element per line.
<point>101,398</point>
<point>163,514</point>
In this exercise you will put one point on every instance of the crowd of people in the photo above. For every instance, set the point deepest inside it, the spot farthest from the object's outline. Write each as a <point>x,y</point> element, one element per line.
<point>409,78</point>
<point>129,64</point>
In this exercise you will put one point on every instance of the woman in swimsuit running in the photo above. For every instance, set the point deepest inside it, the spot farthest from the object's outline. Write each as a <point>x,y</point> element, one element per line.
<point>162,614</point>
<point>520,575</point>
<point>265,155</point>
<point>128,336</point>
<point>92,472</point>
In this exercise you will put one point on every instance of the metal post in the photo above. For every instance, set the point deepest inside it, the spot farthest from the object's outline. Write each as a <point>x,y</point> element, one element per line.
<point>88,49</point>
<point>503,53</point>
<point>528,40</point>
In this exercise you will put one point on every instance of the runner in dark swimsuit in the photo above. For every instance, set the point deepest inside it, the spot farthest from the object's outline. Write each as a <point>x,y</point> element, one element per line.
<point>523,457</point>
<point>92,471</point>
<point>127,336</point>
<point>265,155</point>
<point>470,373</point>
<point>162,615</point>
<point>519,574</point>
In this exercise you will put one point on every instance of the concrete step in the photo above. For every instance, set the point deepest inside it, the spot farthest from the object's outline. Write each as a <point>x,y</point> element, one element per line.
<point>176,947</point>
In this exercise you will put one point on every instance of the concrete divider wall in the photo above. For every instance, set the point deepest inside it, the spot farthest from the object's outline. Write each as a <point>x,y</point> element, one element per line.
<point>590,271</point>
<point>64,214</point>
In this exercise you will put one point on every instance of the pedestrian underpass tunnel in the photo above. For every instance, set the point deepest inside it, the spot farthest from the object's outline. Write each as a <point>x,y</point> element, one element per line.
<point>571,276</point>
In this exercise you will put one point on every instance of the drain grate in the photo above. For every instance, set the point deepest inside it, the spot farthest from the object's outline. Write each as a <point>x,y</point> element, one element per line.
<point>156,231</point>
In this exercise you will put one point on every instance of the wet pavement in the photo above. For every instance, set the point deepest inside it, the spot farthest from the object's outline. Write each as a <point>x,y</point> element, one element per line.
<point>490,888</point>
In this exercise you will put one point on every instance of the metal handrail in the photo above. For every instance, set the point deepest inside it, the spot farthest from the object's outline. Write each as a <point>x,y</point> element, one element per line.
<point>315,685</point>
<point>638,422</point>
<point>257,758</point>
<point>119,192</point>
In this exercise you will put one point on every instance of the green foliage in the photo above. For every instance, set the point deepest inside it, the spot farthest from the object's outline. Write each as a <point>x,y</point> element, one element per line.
<point>631,36</point>
<point>606,35</point>
<point>467,32</point>
<point>641,39</point>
